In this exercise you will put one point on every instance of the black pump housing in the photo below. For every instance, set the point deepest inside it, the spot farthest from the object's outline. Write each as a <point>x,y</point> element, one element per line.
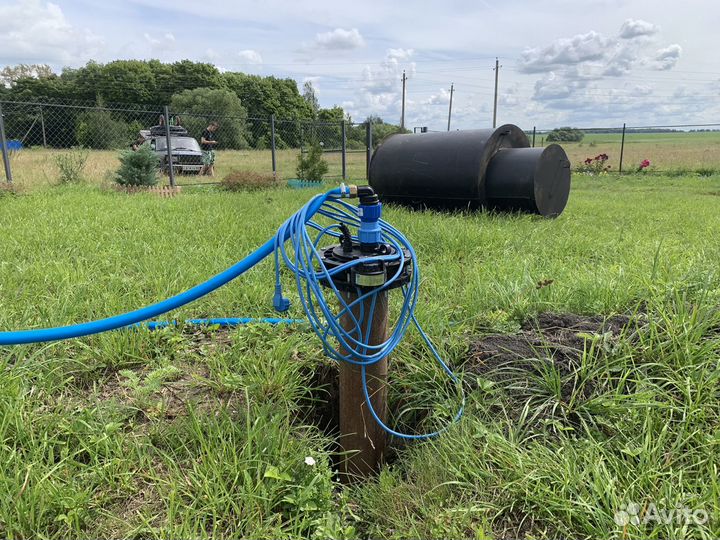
<point>489,168</point>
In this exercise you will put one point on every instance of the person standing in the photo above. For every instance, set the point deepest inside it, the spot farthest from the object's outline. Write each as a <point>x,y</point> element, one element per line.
<point>208,143</point>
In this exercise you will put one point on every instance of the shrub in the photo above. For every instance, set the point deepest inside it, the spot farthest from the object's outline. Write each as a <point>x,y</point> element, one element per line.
<point>247,181</point>
<point>565,134</point>
<point>311,166</point>
<point>71,164</point>
<point>138,168</point>
<point>101,131</point>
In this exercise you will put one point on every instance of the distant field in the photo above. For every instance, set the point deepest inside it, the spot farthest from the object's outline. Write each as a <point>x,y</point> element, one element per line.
<point>666,151</point>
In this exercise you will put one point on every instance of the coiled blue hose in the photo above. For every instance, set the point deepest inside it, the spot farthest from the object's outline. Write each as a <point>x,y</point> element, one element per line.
<point>303,260</point>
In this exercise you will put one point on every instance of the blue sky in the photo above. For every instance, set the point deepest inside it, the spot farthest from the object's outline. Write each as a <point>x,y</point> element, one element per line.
<point>584,63</point>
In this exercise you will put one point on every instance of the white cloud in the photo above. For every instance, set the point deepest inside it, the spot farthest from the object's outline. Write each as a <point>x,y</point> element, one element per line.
<point>249,56</point>
<point>565,51</point>
<point>340,39</point>
<point>32,31</point>
<point>441,98</point>
<point>163,43</point>
<point>633,28</point>
<point>667,58</point>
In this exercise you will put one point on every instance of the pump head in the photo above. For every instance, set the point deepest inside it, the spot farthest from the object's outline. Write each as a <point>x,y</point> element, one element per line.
<point>367,245</point>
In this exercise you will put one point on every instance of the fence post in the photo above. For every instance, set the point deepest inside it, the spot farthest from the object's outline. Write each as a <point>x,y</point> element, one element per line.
<point>171,169</point>
<point>42,125</point>
<point>368,143</point>
<point>344,150</point>
<point>622,149</point>
<point>272,145</point>
<point>533,142</point>
<point>4,148</point>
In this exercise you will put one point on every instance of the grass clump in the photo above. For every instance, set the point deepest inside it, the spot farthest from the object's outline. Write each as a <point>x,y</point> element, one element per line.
<point>71,164</point>
<point>138,168</point>
<point>241,180</point>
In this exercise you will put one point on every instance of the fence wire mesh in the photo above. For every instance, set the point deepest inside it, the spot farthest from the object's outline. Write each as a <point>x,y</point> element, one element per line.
<point>37,133</point>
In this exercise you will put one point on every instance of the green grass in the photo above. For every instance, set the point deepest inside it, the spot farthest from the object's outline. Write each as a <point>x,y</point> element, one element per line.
<point>177,435</point>
<point>37,167</point>
<point>680,153</point>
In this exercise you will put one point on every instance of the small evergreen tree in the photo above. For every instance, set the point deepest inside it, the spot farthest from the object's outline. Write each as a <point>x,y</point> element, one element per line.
<point>138,168</point>
<point>311,166</point>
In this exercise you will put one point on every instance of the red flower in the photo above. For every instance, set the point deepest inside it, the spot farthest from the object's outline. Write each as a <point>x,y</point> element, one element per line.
<point>645,163</point>
<point>588,161</point>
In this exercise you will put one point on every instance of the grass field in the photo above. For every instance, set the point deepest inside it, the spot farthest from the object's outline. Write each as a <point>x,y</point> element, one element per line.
<point>206,433</point>
<point>678,152</point>
<point>37,167</point>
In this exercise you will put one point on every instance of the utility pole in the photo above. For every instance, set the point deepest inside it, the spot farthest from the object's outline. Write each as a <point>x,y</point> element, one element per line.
<point>402,115</point>
<point>497,71</point>
<point>452,90</point>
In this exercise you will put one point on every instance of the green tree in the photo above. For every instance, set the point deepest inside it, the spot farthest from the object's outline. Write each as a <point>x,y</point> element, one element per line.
<point>310,97</point>
<point>100,130</point>
<point>9,75</point>
<point>198,107</point>
<point>127,81</point>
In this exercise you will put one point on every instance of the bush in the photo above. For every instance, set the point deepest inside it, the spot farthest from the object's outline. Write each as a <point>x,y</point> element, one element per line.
<point>101,131</point>
<point>247,181</point>
<point>138,168</point>
<point>565,134</point>
<point>71,165</point>
<point>311,166</point>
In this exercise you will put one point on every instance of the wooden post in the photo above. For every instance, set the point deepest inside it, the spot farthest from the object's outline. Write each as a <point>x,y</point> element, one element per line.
<point>362,440</point>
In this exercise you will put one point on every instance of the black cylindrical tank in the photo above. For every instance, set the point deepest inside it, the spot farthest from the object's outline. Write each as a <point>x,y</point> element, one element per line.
<point>492,168</point>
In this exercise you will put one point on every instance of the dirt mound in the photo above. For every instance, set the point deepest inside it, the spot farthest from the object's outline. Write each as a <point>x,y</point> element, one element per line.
<point>541,361</point>
<point>557,336</point>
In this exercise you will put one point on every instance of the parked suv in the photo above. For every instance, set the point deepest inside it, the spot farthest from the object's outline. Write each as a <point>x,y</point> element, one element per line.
<point>185,150</point>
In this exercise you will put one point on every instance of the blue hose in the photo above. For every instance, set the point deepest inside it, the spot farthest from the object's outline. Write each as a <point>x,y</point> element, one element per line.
<point>128,319</point>
<point>314,285</point>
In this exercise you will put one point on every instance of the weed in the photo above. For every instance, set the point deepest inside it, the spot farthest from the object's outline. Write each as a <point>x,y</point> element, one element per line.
<point>70,164</point>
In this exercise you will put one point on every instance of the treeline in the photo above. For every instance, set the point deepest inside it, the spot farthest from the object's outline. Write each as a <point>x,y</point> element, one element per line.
<point>197,91</point>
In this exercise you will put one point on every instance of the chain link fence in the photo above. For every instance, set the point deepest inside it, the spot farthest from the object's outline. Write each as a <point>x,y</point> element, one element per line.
<point>36,133</point>
<point>674,150</point>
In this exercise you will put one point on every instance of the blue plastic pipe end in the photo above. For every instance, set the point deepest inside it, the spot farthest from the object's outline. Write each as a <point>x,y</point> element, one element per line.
<point>370,231</point>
